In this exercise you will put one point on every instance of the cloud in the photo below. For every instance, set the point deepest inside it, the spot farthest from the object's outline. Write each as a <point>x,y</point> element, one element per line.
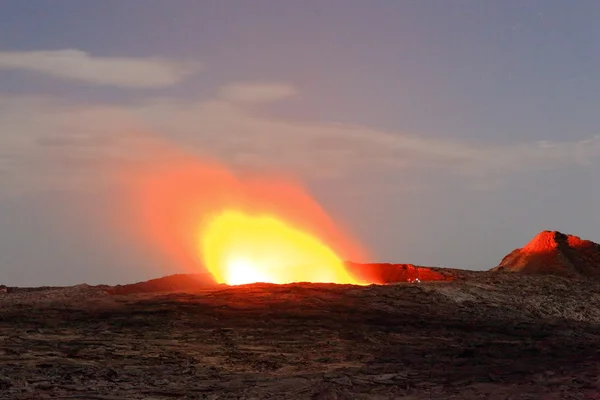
<point>80,66</point>
<point>53,140</point>
<point>256,92</point>
<point>5,162</point>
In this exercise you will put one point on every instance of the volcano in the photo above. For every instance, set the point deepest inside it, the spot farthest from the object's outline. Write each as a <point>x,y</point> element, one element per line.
<point>555,253</point>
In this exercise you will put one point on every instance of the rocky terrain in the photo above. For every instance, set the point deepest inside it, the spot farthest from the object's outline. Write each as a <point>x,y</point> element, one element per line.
<point>480,336</point>
<point>428,334</point>
<point>556,253</point>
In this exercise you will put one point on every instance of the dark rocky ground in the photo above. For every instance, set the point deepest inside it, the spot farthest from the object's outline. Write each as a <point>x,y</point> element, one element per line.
<point>480,336</point>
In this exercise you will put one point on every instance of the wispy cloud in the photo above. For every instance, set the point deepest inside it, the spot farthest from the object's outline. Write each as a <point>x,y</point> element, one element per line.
<point>249,92</point>
<point>80,66</point>
<point>44,136</point>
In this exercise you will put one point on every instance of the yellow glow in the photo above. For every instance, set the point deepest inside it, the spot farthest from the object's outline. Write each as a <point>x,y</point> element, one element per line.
<point>240,249</point>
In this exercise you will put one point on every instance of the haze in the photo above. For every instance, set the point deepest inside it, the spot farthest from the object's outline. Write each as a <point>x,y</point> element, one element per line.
<point>438,133</point>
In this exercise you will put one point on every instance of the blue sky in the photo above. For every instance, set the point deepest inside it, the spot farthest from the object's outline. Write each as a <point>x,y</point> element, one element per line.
<point>441,132</point>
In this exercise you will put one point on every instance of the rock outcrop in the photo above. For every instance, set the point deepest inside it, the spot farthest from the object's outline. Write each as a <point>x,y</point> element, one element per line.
<point>377,272</point>
<point>555,253</point>
<point>395,273</point>
<point>171,283</point>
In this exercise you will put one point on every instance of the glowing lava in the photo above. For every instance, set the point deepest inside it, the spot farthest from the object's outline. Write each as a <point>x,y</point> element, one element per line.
<point>240,248</point>
<point>194,214</point>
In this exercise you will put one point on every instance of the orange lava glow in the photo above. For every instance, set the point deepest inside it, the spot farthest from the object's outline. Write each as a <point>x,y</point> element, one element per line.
<point>242,229</point>
<point>240,248</point>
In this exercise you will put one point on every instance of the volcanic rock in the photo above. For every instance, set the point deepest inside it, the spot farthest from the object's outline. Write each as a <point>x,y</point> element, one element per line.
<point>171,283</point>
<point>396,273</point>
<point>484,336</point>
<point>377,272</point>
<point>555,253</point>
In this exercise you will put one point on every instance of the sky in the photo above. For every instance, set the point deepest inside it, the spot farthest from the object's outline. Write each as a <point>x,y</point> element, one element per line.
<point>440,133</point>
